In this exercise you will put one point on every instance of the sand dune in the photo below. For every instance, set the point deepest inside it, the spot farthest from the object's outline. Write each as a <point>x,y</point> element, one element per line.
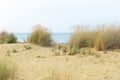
<point>37,63</point>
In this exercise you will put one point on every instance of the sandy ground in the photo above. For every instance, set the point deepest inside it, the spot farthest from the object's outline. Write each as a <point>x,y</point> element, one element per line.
<point>30,67</point>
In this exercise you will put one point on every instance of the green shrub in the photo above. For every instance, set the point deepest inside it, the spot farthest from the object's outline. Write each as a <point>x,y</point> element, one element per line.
<point>7,71</point>
<point>40,36</point>
<point>10,38</point>
<point>27,47</point>
<point>7,38</point>
<point>73,51</point>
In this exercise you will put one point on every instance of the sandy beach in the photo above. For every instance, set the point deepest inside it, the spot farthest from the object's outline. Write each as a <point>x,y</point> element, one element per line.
<point>39,62</point>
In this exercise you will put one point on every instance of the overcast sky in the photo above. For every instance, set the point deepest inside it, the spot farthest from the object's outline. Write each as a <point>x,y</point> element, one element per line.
<point>57,15</point>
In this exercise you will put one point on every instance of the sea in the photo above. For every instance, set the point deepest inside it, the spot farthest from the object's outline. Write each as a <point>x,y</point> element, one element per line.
<point>56,37</point>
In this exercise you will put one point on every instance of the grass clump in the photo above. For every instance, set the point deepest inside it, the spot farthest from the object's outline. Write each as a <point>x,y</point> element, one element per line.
<point>74,51</point>
<point>7,71</point>
<point>57,53</point>
<point>40,36</point>
<point>7,38</point>
<point>64,49</point>
<point>56,74</point>
<point>39,56</point>
<point>97,55</point>
<point>108,38</point>
<point>8,54</point>
<point>104,37</point>
<point>14,51</point>
<point>27,47</point>
<point>83,37</point>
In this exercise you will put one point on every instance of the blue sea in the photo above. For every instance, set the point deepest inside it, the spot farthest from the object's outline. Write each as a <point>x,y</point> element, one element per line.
<point>56,37</point>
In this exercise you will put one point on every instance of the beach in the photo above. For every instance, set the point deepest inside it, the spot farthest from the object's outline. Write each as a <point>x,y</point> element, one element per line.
<point>38,63</point>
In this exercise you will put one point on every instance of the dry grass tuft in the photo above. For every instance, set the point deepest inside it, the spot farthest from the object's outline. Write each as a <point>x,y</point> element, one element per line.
<point>108,37</point>
<point>56,74</point>
<point>83,37</point>
<point>7,70</point>
<point>40,36</point>
<point>105,37</point>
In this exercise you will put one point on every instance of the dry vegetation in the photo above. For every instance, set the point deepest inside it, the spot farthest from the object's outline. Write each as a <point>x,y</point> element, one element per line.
<point>97,55</point>
<point>7,70</point>
<point>40,36</point>
<point>104,38</point>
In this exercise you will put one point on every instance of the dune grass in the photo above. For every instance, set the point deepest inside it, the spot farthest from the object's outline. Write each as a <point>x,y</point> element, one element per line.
<point>108,37</point>
<point>56,74</point>
<point>102,38</point>
<point>40,36</point>
<point>83,37</point>
<point>7,70</point>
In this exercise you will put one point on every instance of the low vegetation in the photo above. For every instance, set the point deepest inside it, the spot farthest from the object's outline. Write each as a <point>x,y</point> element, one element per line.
<point>56,74</point>
<point>108,38</point>
<point>7,70</point>
<point>14,51</point>
<point>27,47</point>
<point>104,38</point>
<point>40,36</point>
<point>7,38</point>
<point>66,49</point>
<point>83,37</point>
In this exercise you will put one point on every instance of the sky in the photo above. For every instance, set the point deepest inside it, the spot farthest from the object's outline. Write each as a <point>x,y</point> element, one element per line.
<point>57,15</point>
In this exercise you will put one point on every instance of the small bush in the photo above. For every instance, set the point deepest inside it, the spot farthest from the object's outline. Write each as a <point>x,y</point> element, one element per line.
<point>40,36</point>
<point>7,71</point>
<point>10,38</point>
<point>73,51</point>
<point>7,38</point>
<point>14,51</point>
<point>97,55</point>
<point>27,47</point>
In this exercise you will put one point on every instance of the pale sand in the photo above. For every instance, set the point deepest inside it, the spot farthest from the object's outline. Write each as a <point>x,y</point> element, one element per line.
<point>107,67</point>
